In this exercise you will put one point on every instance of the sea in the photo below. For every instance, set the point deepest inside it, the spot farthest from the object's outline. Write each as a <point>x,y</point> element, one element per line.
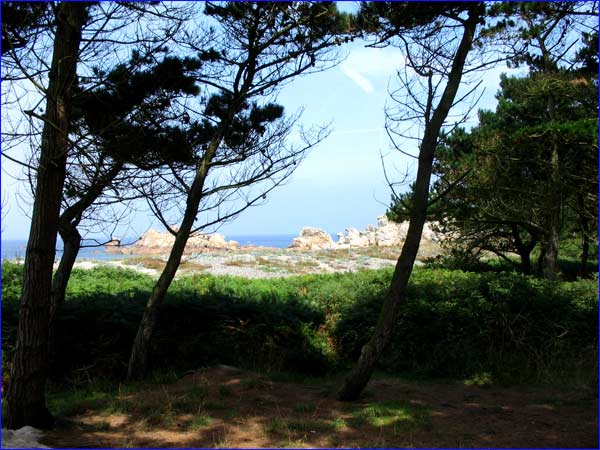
<point>15,249</point>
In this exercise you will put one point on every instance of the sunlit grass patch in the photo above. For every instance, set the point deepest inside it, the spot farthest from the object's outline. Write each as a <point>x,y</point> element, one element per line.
<point>482,379</point>
<point>283,426</point>
<point>389,413</point>
<point>77,401</point>
<point>200,420</point>
<point>159,417</point>
<point>339,423</point>
<point>276,426</point>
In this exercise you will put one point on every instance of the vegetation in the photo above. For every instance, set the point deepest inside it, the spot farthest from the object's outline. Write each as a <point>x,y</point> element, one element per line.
<point>524,179</point>
<point>177,106</point>
<point>454,324</point>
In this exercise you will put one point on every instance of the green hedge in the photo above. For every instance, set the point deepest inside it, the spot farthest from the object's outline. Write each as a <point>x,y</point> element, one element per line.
<point>459,324</point>
<point>454,323</point>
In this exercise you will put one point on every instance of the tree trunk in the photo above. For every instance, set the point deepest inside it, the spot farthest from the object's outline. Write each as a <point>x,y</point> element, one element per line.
<point>585,252</point>
<point>140,352</point>
<point>550,262</point>
<point>26,396</point>
<point>540,261</point>
<point>358,378</point>
<point>524,250</point>
<point>585,236</point>
<point>71,245</point>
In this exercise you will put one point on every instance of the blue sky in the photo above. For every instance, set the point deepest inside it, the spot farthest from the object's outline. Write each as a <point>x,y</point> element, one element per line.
<point>340,184</point>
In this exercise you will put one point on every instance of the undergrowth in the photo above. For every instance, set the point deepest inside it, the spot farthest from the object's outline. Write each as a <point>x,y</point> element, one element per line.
<point>510,327</point>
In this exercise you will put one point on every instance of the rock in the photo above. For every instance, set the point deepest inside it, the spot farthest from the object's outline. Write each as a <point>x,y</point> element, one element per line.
<point>386,233</point>
<point>312,238</point>
<point>154,243</point>
<point>353,238</point>
<point>26,437</point>
<point>113,246</point>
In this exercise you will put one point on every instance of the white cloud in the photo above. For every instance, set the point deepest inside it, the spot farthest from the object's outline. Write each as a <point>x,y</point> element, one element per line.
<point>359,79</point>
<point>371,67</point>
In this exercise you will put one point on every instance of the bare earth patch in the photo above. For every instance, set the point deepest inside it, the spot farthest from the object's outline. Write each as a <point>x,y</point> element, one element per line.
<point>227,407</point>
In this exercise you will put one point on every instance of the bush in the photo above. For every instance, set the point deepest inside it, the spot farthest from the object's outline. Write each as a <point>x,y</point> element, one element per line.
<point>459,324</point>
<point>454,323</point>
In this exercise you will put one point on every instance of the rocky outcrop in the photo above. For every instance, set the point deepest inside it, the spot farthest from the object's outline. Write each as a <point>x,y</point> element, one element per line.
<point>386,233</point>
<point>154,243</point>
<point>312,238</point>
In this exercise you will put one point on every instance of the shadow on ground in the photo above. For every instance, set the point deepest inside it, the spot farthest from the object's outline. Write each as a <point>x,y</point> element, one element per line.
<point>227,407</point>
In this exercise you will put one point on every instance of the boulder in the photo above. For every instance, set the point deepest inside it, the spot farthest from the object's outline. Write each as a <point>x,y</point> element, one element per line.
<point>351,237</point>
<point>153,242</point>
<point>113,246</point>
<point>26,437</point>
<point>386,233</point>
<point>312,238</point>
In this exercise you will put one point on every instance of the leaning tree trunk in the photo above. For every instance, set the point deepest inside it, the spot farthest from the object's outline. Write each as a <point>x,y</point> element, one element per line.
<point>358,378</point>
<point>140,352</point>
<point>71,245</point>
<point>26,396</point>
<point>68,223</point>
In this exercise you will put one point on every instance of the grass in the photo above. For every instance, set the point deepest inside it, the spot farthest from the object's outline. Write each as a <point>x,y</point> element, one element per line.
<point>482,379</point>
<point>276,264</point>
<point>400,415</point>
<point>199,421</point>
<point>305,408</point>
<point>298,425</point>
<point>224,418</point>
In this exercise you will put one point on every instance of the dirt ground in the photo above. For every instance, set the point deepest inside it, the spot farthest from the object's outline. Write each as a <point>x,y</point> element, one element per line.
<point>227,407</point>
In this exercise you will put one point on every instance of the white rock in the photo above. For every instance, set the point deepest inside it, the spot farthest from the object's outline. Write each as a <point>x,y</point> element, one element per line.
<point>386,233</point>
<point>26,437</point>
<point>312,238</point>
<point>154,243</point>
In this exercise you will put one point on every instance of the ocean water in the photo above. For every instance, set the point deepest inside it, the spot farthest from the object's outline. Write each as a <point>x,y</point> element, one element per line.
<point>15,249</point>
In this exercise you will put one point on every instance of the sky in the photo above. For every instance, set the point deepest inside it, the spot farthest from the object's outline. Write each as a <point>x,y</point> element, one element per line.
<point>341,182</point>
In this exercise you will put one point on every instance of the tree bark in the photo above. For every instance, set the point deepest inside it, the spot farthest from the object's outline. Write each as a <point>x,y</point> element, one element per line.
<point>68,223</point>
<point>26,396</point>
<point>358,378</point>
<point>524,250</point>
<point>71,245</point>
<point>585,236</point>
<point>550,262</point>
<point>140,352</point>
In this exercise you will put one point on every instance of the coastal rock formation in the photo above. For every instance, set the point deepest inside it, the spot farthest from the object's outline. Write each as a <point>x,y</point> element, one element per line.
<point>154,243</point>
<point>312,238</point>
<point>386,233</point>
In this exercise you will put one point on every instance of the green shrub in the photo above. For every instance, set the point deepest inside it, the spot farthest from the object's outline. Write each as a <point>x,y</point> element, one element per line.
<point>458,324</point>
<point>454,323</point>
